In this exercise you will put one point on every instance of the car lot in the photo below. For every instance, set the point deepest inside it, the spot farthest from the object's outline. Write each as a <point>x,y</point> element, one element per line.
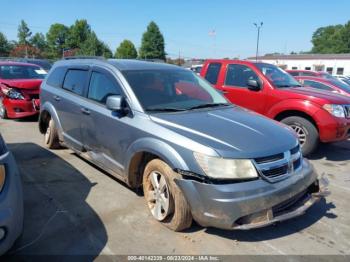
<point>71,207</point>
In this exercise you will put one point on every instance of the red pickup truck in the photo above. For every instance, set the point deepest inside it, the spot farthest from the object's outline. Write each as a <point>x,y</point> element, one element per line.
<point>315,115</point>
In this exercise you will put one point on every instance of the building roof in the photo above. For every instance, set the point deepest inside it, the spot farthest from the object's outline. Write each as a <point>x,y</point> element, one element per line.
<point>303,57</point>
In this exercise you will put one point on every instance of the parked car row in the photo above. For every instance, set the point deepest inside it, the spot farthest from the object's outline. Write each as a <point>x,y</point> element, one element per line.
<point>196,155</point>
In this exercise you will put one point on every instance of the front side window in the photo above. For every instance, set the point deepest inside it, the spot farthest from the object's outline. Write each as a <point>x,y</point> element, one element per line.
<point>56,77</point>
<point>239,75</point>
<point>317,85</point>
<point>277,76</point>
<point>75,81</point>
<point>21,72</point>
<point>172,90</point>
<point>212,74</point>
<point>102,87</point>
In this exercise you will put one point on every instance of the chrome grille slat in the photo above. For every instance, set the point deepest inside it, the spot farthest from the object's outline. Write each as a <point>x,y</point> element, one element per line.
<point>278,169</point>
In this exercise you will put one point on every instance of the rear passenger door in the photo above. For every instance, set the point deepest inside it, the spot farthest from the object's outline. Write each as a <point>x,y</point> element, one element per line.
<point>105,133</point>
<point>67,101</point>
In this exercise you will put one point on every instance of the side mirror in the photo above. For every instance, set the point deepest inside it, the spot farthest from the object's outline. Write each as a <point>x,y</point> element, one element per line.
<point>114,103</point>
<point>253,85</point>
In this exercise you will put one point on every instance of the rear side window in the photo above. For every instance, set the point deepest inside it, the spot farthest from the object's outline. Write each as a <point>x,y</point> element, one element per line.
<point>56,77</point>
<point>212,74</point>
<point>75,81</point>
<point>102,87</point>
<point>317,85</point>
<point>294,73</point>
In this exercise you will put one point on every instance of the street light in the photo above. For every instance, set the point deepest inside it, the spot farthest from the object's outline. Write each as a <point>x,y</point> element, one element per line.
<point>257,41</point>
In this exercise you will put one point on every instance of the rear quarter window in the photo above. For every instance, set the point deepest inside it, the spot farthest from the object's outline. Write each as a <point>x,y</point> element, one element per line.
<point>55,78</point>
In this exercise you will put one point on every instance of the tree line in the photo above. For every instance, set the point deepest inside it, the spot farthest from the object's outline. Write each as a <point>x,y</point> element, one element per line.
<point>79,39</point>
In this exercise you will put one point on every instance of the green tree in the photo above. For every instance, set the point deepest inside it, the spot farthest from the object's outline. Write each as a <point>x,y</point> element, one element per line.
<point>38,41</point>
<point>152,45</point>
<point>56,40</point>
<point>91,46</point>
<point>330,39</point>
<point>78,34</point>
<point>126,50</point>
<point>23,33</point>
<point>106,51</point>
<point>5,46</point>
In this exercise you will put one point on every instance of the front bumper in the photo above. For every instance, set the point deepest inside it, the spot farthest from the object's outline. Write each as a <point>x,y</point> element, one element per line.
<point>253,204</point>
<point>21,108</point>
<point>11,203</point>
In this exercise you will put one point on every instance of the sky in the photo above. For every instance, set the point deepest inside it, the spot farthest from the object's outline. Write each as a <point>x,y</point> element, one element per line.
<point>186,24</point>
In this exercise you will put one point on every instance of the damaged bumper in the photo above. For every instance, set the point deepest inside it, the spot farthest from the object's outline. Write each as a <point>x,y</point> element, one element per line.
<point>253,204</point>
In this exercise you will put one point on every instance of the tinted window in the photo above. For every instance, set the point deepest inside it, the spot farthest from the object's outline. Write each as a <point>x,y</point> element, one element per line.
<point>161,90</point>
<point>56,77</point>
<point>294,73</point>
<point>340,71</point>
<point>238,75</point>
<point>317,85</point>
<point>75,81</point>
<point>277,76</point>
<point>307,73</point>
<point>21,72</point>
<point>101,87</point>
<point>213,73</point>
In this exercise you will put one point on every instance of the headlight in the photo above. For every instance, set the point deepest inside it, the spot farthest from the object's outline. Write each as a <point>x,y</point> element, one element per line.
<point>221,168</point>
<point>12,93</point>
<point>2,176</point>
<point>335,110</point>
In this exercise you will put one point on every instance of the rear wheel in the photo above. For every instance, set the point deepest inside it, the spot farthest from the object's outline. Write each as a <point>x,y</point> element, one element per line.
<point>306,131</point>
<point>164,198</point>
<point>51,136</point>
<point>3,113</point>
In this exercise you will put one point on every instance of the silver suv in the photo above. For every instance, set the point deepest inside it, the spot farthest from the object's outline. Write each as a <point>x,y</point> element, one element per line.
<point>166,129</point>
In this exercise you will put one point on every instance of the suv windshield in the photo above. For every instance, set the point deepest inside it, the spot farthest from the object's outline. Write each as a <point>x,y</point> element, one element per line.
<point>172,90</point>
<point>277,76</point>
<point>21,72</point>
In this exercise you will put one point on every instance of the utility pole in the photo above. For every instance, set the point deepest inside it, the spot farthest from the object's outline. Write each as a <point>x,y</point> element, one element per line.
<point>258,26</point>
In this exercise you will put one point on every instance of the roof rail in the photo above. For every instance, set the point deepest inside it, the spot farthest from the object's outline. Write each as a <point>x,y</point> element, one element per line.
<point>83,57</point>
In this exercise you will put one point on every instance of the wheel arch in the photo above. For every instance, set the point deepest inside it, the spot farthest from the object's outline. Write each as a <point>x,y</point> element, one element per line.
<point>288,113</point>
<point>47,112</point>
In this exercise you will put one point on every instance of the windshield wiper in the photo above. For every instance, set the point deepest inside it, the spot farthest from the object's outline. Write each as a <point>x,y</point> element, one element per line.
<point>164,109</point>
<point>209,105</point>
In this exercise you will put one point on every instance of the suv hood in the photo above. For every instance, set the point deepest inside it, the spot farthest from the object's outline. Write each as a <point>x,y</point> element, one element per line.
<point>319,96</point>
<point>22,83</point>
<point>232,132</point>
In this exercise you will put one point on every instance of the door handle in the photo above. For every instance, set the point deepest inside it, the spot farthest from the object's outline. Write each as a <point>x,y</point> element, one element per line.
<point>85,111</point>
<point>57,98</point>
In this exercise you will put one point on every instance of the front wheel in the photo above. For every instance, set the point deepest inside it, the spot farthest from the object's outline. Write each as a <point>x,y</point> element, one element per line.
<point>306,131</point>
<point>164,198</point>
<point>51,136</point>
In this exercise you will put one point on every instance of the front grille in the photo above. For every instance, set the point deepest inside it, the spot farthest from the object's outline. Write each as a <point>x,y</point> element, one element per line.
<point>279,166</point>
<point>347,111</point>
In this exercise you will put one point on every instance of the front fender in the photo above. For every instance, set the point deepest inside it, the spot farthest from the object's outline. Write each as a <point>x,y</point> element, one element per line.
<point>47,106</point>
<point>159,148</point>
<point>304,106</point>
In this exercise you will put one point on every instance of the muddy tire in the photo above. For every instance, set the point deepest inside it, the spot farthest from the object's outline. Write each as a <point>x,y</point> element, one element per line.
<point>51,136</point>
<point>306,131</point>
<point>3,113</point>
<point>164,198</point>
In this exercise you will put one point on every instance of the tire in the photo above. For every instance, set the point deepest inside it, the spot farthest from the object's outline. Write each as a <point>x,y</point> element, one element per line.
<point>306,131</point>
<point>3,113</point>
<point>51,136</point>
<point>177,216</point>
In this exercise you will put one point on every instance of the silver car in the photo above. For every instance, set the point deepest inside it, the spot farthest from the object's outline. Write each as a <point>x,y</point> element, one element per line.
<point>11,199</point>
<point>165,129</point>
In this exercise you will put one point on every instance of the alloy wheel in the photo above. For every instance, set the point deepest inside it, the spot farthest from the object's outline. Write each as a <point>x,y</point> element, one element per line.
<point>301,133</point>
<point>158,197</point>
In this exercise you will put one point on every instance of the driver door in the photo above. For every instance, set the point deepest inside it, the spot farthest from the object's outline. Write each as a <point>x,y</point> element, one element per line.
<point>236,88</point>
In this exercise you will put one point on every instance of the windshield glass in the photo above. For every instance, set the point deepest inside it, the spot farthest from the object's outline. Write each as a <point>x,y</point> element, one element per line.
<point>21,72</point>
<point>277,76</point>
<point>341,85</point>
<point>172,90</point>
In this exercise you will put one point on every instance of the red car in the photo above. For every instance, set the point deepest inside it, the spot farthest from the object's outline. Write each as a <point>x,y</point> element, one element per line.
<point>315,115</point>
<point>19,89</point>
<point>310,73</point>
<point>332,85</point>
